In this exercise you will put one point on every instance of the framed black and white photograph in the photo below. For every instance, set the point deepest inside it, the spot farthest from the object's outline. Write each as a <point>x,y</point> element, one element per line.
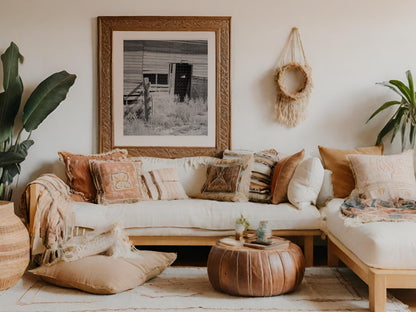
<point>164,85</point>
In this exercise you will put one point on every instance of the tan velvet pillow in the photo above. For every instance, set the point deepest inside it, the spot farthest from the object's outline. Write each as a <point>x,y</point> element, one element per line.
<point>384,177</point>
<point>228,179</point>
<point>118,181</point>
<point>336,161</point>
<point>106,275</point>
<point>283,172</point>
<point>77,169</point>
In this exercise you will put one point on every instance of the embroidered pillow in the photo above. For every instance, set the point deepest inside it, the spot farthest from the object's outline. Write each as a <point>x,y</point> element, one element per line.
<point>261,173</point>
<point>283,172</point>
<point>336,161</point>
<point>118,181</point>
<point>384,177</point>
<point>164,184</point>
<point>77,169</point>
<point>228,179</point>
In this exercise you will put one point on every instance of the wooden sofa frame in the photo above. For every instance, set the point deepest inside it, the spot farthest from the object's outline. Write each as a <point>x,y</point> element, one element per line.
<point>378,280</point>
<point>306,236</point>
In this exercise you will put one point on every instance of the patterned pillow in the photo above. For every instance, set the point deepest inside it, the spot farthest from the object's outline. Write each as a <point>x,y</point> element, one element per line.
<point>336,161</point>
<point>164,184</point>
<point>384,177</point>
<point>261,173</point>
<point>118,181</point>
<point>228,179</point>
<point>283,173</point>
<point>77,169</point>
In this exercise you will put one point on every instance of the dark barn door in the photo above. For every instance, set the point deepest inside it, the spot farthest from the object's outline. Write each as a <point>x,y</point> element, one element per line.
<point>180,80</point>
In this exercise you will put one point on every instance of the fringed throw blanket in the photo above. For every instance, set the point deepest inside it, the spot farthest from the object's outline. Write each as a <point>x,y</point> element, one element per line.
<point>51,227</point>
<point>359,210</point>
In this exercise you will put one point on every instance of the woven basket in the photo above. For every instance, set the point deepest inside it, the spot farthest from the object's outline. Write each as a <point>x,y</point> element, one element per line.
<point>14,246</point>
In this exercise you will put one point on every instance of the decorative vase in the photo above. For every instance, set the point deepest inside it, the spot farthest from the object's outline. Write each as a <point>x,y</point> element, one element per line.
<point>14,246</point>
<point>263,231</point>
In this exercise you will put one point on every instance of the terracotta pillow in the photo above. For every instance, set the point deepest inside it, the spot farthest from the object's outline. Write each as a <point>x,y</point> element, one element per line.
<point>118,181</point>
<point>106,275</point>
<point>77,169</point>
<point>283,172</point>
<point>336,161</point>
<point>228,179</point>
<point>384,177</point>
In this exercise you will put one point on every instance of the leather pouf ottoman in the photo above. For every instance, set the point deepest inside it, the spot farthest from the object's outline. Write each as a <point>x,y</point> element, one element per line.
<point>245,271</point>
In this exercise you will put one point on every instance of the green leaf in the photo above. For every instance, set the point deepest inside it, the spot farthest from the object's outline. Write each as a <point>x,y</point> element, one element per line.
<point>411,87</point>
<point>10,60</point>
<point>387,128</point>
<point>398,121</point>
<point>388,85</point>
<point>403,133</point>
<point>383,107</point>
<point>45,98</point>
<point>16,154</point>
<point>9,172</point>
<point>412,135</point>
<point>403,89</point>
<point>13,89</point>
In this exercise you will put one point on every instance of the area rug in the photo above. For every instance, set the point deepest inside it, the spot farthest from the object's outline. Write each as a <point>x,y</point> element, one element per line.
<point>188,289</point>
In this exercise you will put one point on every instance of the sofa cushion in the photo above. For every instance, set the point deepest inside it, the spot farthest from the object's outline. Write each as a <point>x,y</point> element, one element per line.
<point>191,170</point>
<point>384,177</point>
<point>77,169</point>
<point>195,213</point>
<point>167,184</point>
<point>385,245</point>
<point>118,181</point>
<point>336,161</point>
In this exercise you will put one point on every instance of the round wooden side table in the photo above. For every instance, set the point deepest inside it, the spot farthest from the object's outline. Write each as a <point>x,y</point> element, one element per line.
<point>245,271</point>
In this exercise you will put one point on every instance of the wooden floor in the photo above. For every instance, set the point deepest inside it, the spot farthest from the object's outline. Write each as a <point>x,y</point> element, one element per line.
<point>198,255</point>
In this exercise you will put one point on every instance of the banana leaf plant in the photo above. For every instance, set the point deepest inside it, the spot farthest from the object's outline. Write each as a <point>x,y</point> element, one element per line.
<point>403,119</point>
<point>41,102</point>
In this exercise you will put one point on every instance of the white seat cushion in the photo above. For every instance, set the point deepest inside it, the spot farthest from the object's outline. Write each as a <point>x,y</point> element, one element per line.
<point>195,213</point>
<point>384,245</point>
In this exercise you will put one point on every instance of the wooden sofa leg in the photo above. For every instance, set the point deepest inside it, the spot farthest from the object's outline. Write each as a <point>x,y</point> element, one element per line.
<point>308,250</point>
<point>333,260</point>
<point>377,292</point>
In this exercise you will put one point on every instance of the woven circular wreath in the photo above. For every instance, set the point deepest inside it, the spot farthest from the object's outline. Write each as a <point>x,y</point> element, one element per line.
<point>305,83</point>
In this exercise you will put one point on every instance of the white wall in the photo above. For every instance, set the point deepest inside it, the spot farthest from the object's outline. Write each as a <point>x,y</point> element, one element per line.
<point>350,45</point>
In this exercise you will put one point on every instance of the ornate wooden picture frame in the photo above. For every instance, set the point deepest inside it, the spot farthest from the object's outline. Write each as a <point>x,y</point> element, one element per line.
<point>164,85</point>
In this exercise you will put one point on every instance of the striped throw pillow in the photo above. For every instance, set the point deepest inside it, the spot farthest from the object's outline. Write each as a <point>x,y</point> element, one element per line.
<point>261,172</point>
<point>164,184</point>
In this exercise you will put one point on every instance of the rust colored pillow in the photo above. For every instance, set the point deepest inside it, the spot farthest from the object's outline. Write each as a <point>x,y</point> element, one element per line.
<point>336,160</point>
<point>283,172</point>
<point>118,181</point>
<point>77,169</point>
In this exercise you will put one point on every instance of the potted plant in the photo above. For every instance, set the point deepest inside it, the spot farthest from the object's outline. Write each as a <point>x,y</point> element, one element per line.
<point>241,225</point>
<point>41,102</point>
<point>404,117</point>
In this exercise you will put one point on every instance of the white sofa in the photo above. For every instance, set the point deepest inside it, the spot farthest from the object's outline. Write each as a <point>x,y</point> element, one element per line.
<point>194,221</point>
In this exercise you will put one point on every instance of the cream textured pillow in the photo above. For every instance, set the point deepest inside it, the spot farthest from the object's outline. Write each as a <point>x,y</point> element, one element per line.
<point>327,191</point>
<point>106,275</point>
<point>306,183</point>
<point>228,179</point>
<point>384,177</point>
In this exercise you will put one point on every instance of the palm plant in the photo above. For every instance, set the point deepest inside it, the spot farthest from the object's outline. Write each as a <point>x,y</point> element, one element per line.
<point>404,118</point>
<point>41,102</point>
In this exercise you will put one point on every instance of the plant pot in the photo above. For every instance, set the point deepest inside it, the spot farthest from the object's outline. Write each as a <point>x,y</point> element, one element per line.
<point>14,246</point>
<point>239,230</point>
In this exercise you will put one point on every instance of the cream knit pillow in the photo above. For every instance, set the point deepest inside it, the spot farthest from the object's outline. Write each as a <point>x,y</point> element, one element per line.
<point>384,177</point>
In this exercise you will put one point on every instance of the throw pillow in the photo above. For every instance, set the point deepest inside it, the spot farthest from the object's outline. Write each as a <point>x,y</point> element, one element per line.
<point>77,169</point>
<point>327,192</point>
<point>106,275</point>
<point>118,181</point>
<point>306,183</point>
<point>228,179</point>
<point>336,161</point>
<point>283,172</point>
<point>384,177</point>
<point>164,184</point>
<point>261,173</point>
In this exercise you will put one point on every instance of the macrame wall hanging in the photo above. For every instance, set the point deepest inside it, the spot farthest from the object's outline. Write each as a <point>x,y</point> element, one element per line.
<point>293,81</point>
